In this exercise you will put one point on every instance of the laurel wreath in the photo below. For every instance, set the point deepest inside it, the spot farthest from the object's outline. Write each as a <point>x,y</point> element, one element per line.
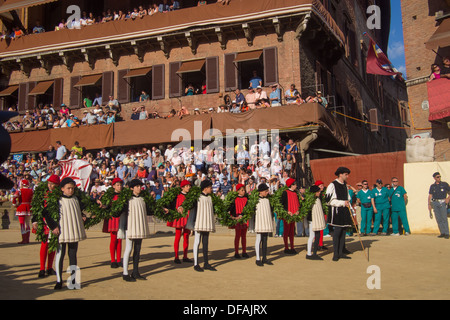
<point>283,214</point>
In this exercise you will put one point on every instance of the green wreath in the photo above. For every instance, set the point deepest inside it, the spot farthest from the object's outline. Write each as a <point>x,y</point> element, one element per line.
<point>41,196</point>
<point>275,202</point>
<point>165,202</point>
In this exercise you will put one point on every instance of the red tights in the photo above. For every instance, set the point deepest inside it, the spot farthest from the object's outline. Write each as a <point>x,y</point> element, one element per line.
<point>115,247</point>
<point>289,230</point>
<point>240,234</point>
<point>178,232</point>
<point>43,256</point>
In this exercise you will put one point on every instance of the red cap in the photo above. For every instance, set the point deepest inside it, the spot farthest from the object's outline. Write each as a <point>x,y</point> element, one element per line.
<point>240,185</point>
<point>184,183</point>
<point>25,182</point>
<point>318,183</point>
<point>116,180</point>
<point>289,182</point>
<point>55,179</point>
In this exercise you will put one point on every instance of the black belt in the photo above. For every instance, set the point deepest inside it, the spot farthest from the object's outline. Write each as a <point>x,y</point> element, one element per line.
<point>438,199</point>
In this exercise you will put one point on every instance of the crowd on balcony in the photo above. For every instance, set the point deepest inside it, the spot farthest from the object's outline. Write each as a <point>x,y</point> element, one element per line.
<point>46,117</point>
<point>91,18</point>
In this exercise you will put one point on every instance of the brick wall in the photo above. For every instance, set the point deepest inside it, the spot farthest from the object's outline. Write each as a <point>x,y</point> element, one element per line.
<point>419,24</point>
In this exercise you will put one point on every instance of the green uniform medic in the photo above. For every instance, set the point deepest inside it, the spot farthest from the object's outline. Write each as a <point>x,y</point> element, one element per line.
<point>365,197</point>
<point>380,196</point>
<point>398,209</point>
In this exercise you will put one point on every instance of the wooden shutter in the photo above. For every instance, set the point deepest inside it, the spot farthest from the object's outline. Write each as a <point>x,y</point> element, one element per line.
<point>107,86</point>
<point>158,82</point>
<point>23,93</point>
<point>175,83</point>
<point>123,87</point>
<point>270,66</point>
<point>212,75</point>
<point>373,118</point>
<point>31,100</point>
<point>231,74</point>
<point>58,87</point>
<point>75,93</point>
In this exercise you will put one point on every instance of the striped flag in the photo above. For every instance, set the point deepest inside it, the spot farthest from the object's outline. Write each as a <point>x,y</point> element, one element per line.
<point>78,170</point>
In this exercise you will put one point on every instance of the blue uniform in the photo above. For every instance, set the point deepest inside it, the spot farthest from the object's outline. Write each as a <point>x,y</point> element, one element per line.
<point>365,198</point>
<point>381,199</point>
<point>398,208</point>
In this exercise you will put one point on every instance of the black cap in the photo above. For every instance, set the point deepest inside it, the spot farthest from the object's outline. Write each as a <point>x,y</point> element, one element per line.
<point>205,184</point>
<point>67,181</point>
<point>436,174</point>
<point>379,181</point>
<point>263,187</point>
<point>135,183</point>
<point>314,189</point>
<point>342,170</point>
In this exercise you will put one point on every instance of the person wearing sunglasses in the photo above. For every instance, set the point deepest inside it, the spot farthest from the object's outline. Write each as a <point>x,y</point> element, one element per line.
<point>438,199</point>
<point>399,198</point>
<point>364,198</point>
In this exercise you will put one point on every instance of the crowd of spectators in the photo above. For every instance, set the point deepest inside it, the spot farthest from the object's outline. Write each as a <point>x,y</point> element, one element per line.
<point>438,72</point>
<point>161,168</point>
<point>91,18</point>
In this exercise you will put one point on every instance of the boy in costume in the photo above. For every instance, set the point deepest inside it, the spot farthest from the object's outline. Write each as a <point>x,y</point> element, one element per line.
<point>68,226</point>
<point>52,182</point>
<point>111,226</point>
<point>262,224</point>
<point>316,219</point>
<point>202,221</point>
<point>180,224</point>
<point>291,204</point>
<point>23,202</point>
<point>240,228</point>
<point>133,227</point>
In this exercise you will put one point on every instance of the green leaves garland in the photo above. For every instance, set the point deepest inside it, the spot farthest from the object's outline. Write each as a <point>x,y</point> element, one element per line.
<point>165,202</point>
<point>275,202</point>
<point>191,199</point>
<point>224,216</point>
<point>250,208</point>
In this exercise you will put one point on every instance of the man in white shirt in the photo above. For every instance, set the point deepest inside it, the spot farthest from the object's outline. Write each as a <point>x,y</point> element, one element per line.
<point>264,147</point>
<point>61,151</point>
<point>168,154</point>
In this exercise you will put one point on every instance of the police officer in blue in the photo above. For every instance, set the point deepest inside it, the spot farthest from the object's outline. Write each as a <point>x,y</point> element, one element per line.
<point>438,199</point>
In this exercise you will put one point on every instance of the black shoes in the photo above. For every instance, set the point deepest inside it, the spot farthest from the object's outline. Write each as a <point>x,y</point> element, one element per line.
<point>128,278</point>
<point>41,274</point>
<point>290,251</point>
<point>237,256</point>
<point>187,260</point>
<point>177,261</point>
<point>137,276</point>
<point>313,257</point>
<point>209,267</point>
<point>245,255</point>
<point>259,263</point>
<point>265,261</point>
<point>198,268</point>
<point>58,286</point>
<point>114,265</point>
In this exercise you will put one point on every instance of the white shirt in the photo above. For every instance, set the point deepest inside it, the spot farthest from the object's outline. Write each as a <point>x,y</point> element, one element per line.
<point>60,152</point>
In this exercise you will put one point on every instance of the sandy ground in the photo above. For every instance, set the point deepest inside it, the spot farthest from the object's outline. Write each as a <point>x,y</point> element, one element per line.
<point>411,267</point>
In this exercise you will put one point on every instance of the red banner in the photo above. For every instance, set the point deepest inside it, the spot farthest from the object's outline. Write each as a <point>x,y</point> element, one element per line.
<point>439,98</point>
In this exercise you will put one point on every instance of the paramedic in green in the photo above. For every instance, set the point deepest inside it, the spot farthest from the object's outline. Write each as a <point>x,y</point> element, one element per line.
<point>399,198</point>
<point>381,207</point>
<point>364,197</point>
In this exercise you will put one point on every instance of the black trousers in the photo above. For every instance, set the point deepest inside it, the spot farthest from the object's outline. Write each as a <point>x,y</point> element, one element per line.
<point>61,253</point>
<point>338,241</point>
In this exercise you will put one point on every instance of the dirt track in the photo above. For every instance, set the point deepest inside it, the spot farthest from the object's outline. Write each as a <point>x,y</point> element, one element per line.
<point>412,267</point>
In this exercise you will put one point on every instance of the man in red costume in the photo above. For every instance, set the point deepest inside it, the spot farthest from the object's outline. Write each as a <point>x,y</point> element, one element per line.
<point>52,183</point>
<point>180,224</point>
<point>240,228</point>
<point>111,226</point>
<point>23,202</point>
<point>291,204</point>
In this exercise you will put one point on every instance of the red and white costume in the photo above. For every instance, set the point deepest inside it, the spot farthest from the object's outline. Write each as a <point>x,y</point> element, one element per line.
<point>23,202</point>
<point>240,228</point>
<point>291,204</point>
<point>111,226</point>
<point>180,226</point>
